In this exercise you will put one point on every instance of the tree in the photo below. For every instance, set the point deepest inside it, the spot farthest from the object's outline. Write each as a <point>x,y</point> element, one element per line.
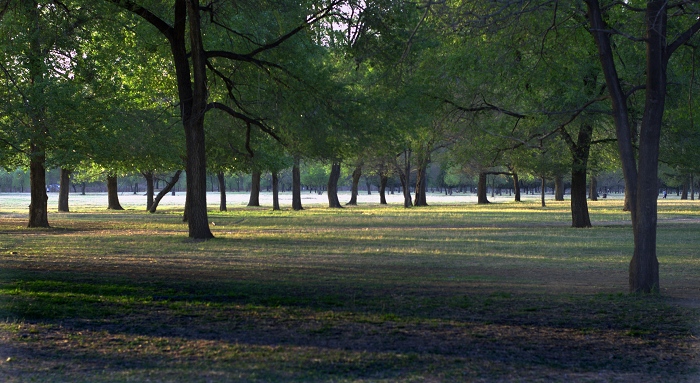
<point>640,167</point>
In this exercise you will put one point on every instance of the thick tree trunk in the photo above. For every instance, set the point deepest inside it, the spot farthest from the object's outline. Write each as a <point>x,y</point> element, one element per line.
<point>63,191</point>
<point>296,185</point>
<point>684,193</point>
<point>169,186</point>
<point>222,191</point>
<point>255,189</point>
<point>580,151</point>
<point>383,180</point>
<point>275,191</point>
<point>38,208</point>
<point>421,182</point>
<point>356,174</point>
<point>150,189</point>
<point>481,192</point>
<point>593,189</point>
<point>113,194</point>
<point>516,187</point>
<point>333,178</point>
<point>542,193</point>
<point>558,188</point>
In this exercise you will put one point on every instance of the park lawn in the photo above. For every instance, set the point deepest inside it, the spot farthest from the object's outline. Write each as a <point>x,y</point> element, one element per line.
<point>504,292</point>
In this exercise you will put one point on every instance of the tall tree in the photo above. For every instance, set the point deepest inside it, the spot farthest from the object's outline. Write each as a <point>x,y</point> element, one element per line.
<point>640,167</point>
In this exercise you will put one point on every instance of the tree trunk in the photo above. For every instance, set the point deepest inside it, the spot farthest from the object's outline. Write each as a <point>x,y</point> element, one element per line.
<point>165,191</point>
<point>222,191</point>
<point>38,208</point>
<point>481,189</point>
<point>356,174</point>
<point>333,201</point>
<point>692,188</point>
<point>558,188</point>
<point>641,174</point>
<point>63,191</point>
<point>404,177</point>
<point>275,191</point>
<point>684,193</point>
<point>516,187</point>
<point>255,189</point>
<point>150,189</point>
<point>383,180</point>
<point>542,193</point>
<point>296,185</point>
<point>113,194</point>
<point>580,151</point>
<point>593,190</point>
<point>421,182</point>
<point>369,186</point>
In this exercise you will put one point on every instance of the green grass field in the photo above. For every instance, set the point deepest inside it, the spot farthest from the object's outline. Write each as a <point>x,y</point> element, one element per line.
<point>452,292</point>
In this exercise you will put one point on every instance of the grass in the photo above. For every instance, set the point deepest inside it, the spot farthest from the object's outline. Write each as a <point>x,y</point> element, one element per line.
<point>505,292</point>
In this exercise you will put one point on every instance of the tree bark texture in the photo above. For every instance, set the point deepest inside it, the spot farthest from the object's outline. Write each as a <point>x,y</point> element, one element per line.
<point>580,151</point>
<point>113,194</point>
<point>222,191</point>
<point>593,189</point>
<point>63,191</point>
<point>558,188</point>
<point>383,180</point>
<point>356,174</point>
<point>516,187</point>
<point>421,184</point>
<point>38,208</point>
<point>542,191</point>
<point>254,199</point>
<point>405,177</point>
<point>169,186</point>
<point>275,191</point>
<point>481,193</point>
<point>641,182</point>
<point>296,185</point>
<point>150,188</point>
<point>333,178</point>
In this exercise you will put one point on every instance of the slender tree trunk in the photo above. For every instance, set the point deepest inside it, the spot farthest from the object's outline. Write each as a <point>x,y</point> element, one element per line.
<point>333,201</point>
<point>481,189</point>
<point>113,194</point>
<point>542,193</point>
<point>369,186</point>
<point>275,191</point>
<point>405,177</point>
<point>169,186</point>
<point>83,186</point>
<point>516,187</point>
<point>558,188</point>
<point>593,190</point>
<point>356,174</point>
<point>296,185</point>
<point>383,180</point>
<point>692,188</point>
<point>64,191</point>
<point>150,188</point>
<point>222,191</point>
<point>255,189</point>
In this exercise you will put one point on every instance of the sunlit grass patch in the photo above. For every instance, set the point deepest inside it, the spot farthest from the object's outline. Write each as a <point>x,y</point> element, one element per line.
<point>445,293</point>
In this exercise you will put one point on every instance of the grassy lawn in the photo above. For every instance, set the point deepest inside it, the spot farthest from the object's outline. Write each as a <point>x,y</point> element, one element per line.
<point>505,292</point>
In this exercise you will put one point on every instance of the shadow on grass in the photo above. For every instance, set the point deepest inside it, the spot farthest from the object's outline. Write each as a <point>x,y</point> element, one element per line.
<point>277,330</point>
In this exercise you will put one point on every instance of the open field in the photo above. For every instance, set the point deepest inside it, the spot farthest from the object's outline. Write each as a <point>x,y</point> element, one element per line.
<point>452,292</point>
